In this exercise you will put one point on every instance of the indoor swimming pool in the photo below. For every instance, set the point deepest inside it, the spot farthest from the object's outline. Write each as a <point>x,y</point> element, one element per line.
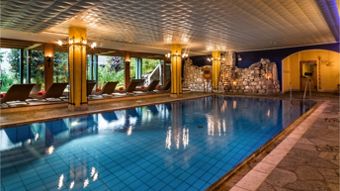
<point>182,145</point>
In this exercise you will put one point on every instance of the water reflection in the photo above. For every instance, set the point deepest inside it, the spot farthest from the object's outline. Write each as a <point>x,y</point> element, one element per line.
<point>216,123</point>
<point>78,177</point>
<point>177,135</point>
<point>170,135</point>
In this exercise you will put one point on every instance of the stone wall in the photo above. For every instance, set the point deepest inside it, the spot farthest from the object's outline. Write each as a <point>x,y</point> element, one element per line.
<point>259,78</point>
<point>193,78</point>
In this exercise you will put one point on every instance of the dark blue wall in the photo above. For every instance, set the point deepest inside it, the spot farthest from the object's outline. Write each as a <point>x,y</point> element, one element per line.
<point>277,55</point>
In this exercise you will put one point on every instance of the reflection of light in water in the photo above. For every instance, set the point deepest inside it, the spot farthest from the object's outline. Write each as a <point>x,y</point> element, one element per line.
<point>268,113</point>
<point>216,126</point>
<point>72,185</point>
<point>224,106</point>
<point>50,149</point>
<point>29,141</point>
<point>74,123</point>
<point>180,137</point>
<point>95,176</point>
<point>93,170</point>
<point>234,104</point>
<point>86,183</point>
<point>79,176</point>
<point>185,138</point>
<point>61,182</point>
<point>168,139</point>
<point>129,131</point>
<point>36,136</point>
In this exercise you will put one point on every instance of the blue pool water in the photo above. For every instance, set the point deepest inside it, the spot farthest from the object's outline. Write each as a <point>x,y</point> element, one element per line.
<point>185,145</point>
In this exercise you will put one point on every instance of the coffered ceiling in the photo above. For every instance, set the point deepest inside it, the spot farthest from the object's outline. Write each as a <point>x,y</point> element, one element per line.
<point>152,25</point>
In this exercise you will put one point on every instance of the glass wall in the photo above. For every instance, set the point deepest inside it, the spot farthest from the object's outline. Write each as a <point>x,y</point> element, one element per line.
<point>9,68</point>
<point>37,68</point>
<point>60,67</point>
<point>110,68</point>
<point>133,67</point>
<point>151,70</point>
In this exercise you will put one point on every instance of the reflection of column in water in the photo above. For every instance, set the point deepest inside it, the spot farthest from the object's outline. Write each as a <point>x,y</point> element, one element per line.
<point>216,123</point>
<point>176,132</point>
<point>79,176</point>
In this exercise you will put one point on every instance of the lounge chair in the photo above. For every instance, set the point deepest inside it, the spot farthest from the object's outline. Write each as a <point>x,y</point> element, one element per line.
<point>90,86</point>
<point>133,84</point>
<point>17,92</point>
<point>108,88</point>
<point>151,87</point>
<point>131,87</point>
<point>166,87</point>
<point>56,90</point>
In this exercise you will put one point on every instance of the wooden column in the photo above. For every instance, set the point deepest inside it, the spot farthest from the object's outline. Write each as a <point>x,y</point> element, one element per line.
<point>176,70</point>
<point>48,64</point>
<point>127,71</point>
<point>216,67</point>
<point>77,68</point>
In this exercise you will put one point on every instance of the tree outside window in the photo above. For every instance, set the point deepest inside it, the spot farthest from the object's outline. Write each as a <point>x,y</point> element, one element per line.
<point>110,68</point>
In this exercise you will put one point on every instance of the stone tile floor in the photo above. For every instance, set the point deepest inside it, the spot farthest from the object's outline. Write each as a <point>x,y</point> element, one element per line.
<point>313,163</point>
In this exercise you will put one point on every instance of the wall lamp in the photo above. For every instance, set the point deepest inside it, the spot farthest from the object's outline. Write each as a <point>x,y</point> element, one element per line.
<point>177,54</point>
<point>210,59</point>
<point>72,41</point>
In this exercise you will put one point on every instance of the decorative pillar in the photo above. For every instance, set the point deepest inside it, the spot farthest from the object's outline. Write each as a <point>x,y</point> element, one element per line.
<point>127,61</point>
<point>77,68</point>
<point>176,70</point>
<point>48,64</point>
<point>216,67</point>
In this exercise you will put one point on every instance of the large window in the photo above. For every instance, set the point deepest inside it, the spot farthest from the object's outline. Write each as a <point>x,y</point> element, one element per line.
<point>110,68</point>
<point>37,68</point>
<point>148,69</point>
<point>60,67</point>
<point>9,68</point>
<point>151,70</point>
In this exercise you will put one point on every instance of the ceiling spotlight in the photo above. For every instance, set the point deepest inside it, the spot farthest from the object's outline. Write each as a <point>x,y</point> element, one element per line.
<point>60,43</point>
<point>93,45</point>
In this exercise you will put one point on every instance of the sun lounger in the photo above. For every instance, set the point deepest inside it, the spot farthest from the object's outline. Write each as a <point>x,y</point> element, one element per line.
<point>151,87</point>
<point>108,88</point>
<point>56,91</point>
<point>166,87</point>
<point>90,86</point>
<point>17,92</point>
<point>131,87</point>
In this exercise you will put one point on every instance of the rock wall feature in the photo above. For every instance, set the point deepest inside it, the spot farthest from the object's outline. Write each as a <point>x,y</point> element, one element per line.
<point>193,78</point>
<point>259,78</point>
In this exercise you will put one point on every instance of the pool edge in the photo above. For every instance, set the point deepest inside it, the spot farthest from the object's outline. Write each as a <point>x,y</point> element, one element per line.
<point>218,185</point>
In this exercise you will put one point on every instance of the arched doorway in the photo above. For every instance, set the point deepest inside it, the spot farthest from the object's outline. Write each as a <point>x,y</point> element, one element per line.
<point>321,66</point>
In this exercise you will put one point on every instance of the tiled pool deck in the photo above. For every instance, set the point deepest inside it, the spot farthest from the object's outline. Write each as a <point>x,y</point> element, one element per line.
<point>310,164</point>
<point>313,163</point>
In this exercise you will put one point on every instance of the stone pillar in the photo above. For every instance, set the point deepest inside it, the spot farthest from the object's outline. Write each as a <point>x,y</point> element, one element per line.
<point>77,68</point>
<point>48,64</point>
<point>176,70</point>
<point>127,71</point>
<point>215,69</point>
